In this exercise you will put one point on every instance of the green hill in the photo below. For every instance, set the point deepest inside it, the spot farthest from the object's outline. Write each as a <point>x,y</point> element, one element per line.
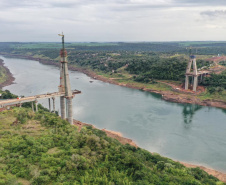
<point>40,148</point>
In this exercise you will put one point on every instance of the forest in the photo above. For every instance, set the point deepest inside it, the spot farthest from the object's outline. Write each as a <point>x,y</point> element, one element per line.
<point>216,82</point>
<point>40,148</point>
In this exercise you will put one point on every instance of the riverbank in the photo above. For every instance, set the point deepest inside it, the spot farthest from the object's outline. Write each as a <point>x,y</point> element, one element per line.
<point>221,176</point>
<point>172,95</point>
<point>116,135</point>
<point>9,77</point>
<point>112,134</point>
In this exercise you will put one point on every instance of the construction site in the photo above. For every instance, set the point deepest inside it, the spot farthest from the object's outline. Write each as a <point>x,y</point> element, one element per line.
<point>65,93</point>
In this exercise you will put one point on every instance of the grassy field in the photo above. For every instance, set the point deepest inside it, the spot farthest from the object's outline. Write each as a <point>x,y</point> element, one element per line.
<point>215,96</point>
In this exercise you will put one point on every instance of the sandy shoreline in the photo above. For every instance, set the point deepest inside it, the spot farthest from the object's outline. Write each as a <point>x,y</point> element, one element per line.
<point>112,134</point>
<point>166,95</point>
<point>220,175</point>
<point>10,78</point>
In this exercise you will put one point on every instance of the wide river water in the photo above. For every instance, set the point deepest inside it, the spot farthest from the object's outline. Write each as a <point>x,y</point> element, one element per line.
<point>184,132</point>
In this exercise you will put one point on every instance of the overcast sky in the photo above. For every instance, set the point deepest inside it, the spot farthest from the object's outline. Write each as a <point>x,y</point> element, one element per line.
<point>112,20</point>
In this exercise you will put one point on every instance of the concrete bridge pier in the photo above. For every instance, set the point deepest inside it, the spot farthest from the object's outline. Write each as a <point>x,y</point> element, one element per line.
<point>70,110</point>
<point>32,106</point>
<point>201,78</point>
<point>49,105</point>
<point>195,84</point>
<point>54,109</point>
<point>62,107</point>
<point>36,105</point>
<point>186,82</point>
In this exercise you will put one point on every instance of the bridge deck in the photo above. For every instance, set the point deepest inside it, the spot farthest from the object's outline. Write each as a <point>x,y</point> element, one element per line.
<point>198,74</point>
<point>5,103</point>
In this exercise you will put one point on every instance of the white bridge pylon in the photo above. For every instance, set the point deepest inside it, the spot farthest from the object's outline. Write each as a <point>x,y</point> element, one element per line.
<point>193,74</point>
<point>65,92</point>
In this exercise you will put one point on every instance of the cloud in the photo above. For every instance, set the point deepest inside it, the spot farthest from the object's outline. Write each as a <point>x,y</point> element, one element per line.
<point>214,13</point>
<point>124,4</point>
<point>193,3</point>
<point>116,4</point>
<point>109,20</point>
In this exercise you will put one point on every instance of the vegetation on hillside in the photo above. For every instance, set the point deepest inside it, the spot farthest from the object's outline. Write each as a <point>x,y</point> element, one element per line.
<point>216,82</point>
<point>158,68</point>
<point>40,148</point>
<point>7,94</point>
<point>3,74</point>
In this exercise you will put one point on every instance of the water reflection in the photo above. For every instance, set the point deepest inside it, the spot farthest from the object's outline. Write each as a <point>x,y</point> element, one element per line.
<point>153,95</point>
<point>224,111</point>
<point>189,111</point>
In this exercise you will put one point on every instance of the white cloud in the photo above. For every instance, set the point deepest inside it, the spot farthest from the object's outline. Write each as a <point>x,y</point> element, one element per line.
<point>112,20</point>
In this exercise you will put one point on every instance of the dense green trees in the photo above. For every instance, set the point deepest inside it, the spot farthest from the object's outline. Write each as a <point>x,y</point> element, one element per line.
<point>216,82</point>
<point>45,149</point>
<point>158,68</point>
<point>7,95</point>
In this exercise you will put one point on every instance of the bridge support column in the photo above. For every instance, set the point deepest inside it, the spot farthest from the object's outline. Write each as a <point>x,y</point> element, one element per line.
<point>36,106</point>
<point>195,84</point>
<point>62,107</point>
<point>32,106</point>
<point>54,110</point>
<point>70,110</point>
<point>49,105</point>
<point>186,82</point>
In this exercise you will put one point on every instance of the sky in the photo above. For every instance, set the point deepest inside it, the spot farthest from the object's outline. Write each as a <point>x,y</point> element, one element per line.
<point>112,20</point>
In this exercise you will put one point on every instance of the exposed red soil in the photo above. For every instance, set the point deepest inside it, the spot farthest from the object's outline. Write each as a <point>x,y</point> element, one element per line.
<point>217,59</point>
<point>217,69</point>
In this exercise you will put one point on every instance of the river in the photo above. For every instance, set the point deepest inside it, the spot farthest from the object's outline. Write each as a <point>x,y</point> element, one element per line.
<point>184,132</point>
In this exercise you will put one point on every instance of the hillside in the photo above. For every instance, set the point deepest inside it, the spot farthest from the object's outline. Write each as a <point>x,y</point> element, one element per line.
<point>40,148</point>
